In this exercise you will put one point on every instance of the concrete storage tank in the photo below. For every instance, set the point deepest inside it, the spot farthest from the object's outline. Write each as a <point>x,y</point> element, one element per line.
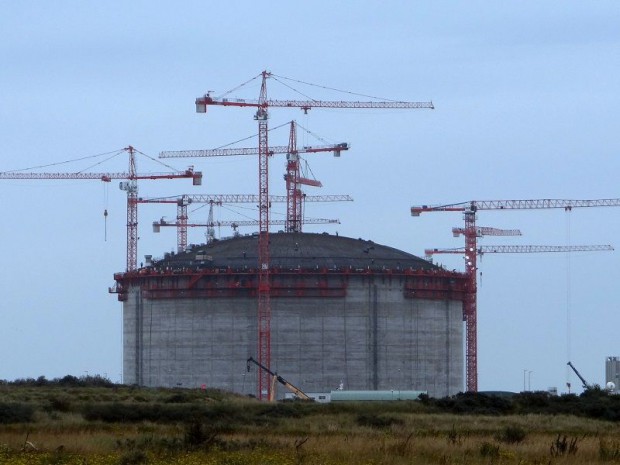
<point>344,312</point>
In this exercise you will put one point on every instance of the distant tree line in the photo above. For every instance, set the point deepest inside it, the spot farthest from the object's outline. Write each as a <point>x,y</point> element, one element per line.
<point>65,381</point>
<point>592,403</point>
<point>131,404</point>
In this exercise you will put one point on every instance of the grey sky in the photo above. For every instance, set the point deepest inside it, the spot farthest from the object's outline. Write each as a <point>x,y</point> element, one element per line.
<point>526,97</point>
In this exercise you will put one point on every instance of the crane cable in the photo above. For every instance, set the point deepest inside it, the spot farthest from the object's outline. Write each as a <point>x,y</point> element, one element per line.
<point>66,161</point>
<point>240,85</point>
<point>568,294</point>
<point>105,211</point>
<point>250,137</point>
<point>327,88</point>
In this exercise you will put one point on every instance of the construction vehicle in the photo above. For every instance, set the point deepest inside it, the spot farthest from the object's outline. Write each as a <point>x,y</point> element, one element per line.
<point>275,377</point>
<point>586,385</point>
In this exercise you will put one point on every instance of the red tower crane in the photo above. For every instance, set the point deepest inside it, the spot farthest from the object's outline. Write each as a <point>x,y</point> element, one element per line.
<point>262,105</point>
<point>130,186</point>
<point>469,210</point>
<point>293,175</point>
<point>294,179</point>
<point>185,200</point>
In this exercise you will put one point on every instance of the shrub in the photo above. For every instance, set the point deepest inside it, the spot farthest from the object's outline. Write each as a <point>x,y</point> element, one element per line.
<point>133,457</point>
<point>15,413</point>
<point>512,435</point>
<point>563,446</point>
<point>489,450</point>
<point>377,421</point>
<point>454,437</point>
<point>60,404</point>
<point>133,413</point>
<point>608,451</point>
<point>198,435</point>
<point>474,403</point>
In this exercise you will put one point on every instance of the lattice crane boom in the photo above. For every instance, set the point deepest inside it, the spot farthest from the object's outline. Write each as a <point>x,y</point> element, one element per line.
<point>236,223</point>
<point>105,177</point>
<point>484,249</point>
<point>243,198</point>
<point>528,204</point>
<point>305,105</point>
<point>273,150</point>
<point>482,231</point>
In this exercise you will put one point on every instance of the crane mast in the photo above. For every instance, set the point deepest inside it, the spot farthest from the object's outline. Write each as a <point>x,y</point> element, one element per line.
<point>131,187</point>
<point>294,196</point>
<point>262,105</point>
<point>469,210</point>
<point>264,294</point>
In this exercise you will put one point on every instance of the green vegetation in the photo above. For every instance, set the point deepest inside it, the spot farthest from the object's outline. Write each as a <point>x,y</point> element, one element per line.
<point>92,421</point>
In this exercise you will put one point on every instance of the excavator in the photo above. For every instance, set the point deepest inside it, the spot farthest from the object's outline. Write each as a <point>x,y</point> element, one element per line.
<point>275,377</point>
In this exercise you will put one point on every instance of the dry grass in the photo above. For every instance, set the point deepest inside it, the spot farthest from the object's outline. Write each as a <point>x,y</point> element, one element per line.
<point>365,434</point>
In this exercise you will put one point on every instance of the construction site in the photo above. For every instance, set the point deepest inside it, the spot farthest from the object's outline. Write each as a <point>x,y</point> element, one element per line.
<point>329,311</point>
<point>318,312</point>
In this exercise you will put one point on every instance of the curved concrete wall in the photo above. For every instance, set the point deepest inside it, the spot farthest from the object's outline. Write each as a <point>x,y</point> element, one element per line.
<point>374,338</point>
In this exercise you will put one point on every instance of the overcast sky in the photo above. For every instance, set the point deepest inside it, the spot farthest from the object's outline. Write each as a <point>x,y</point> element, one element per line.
<point>526,96</point>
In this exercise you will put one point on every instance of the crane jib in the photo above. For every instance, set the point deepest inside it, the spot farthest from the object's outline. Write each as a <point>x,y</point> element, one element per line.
<point>202,102</point>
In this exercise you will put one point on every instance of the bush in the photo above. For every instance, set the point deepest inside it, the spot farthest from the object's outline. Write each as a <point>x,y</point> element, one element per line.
<point>563,446</point>
<point>512,435</point>
<point>377,421</point>
<point>15,413</point>
<point>200,436</point>
<point>134,413</point>
<point>134,457</point>
<point>474,403</point>
<point>608,451</point>
<point>489,450</point>
<point>60,403</point>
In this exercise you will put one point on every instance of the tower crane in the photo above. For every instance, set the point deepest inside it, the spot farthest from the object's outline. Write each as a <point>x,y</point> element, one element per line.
<point>129,185</point>
<point>293,180</point>
<point>293,176</point>
<point>262,106</point>
<point>484,249</point>
<point>182,203</point>
<point>469,210</point>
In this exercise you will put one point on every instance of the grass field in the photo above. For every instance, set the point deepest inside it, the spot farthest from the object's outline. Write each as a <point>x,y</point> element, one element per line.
<point>56,423</point>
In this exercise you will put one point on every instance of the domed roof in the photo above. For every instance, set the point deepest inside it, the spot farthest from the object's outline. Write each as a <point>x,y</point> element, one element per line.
<point>293,251</point>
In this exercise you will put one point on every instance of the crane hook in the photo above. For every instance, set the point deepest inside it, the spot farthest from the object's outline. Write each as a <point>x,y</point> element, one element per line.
<point>105,225</point>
